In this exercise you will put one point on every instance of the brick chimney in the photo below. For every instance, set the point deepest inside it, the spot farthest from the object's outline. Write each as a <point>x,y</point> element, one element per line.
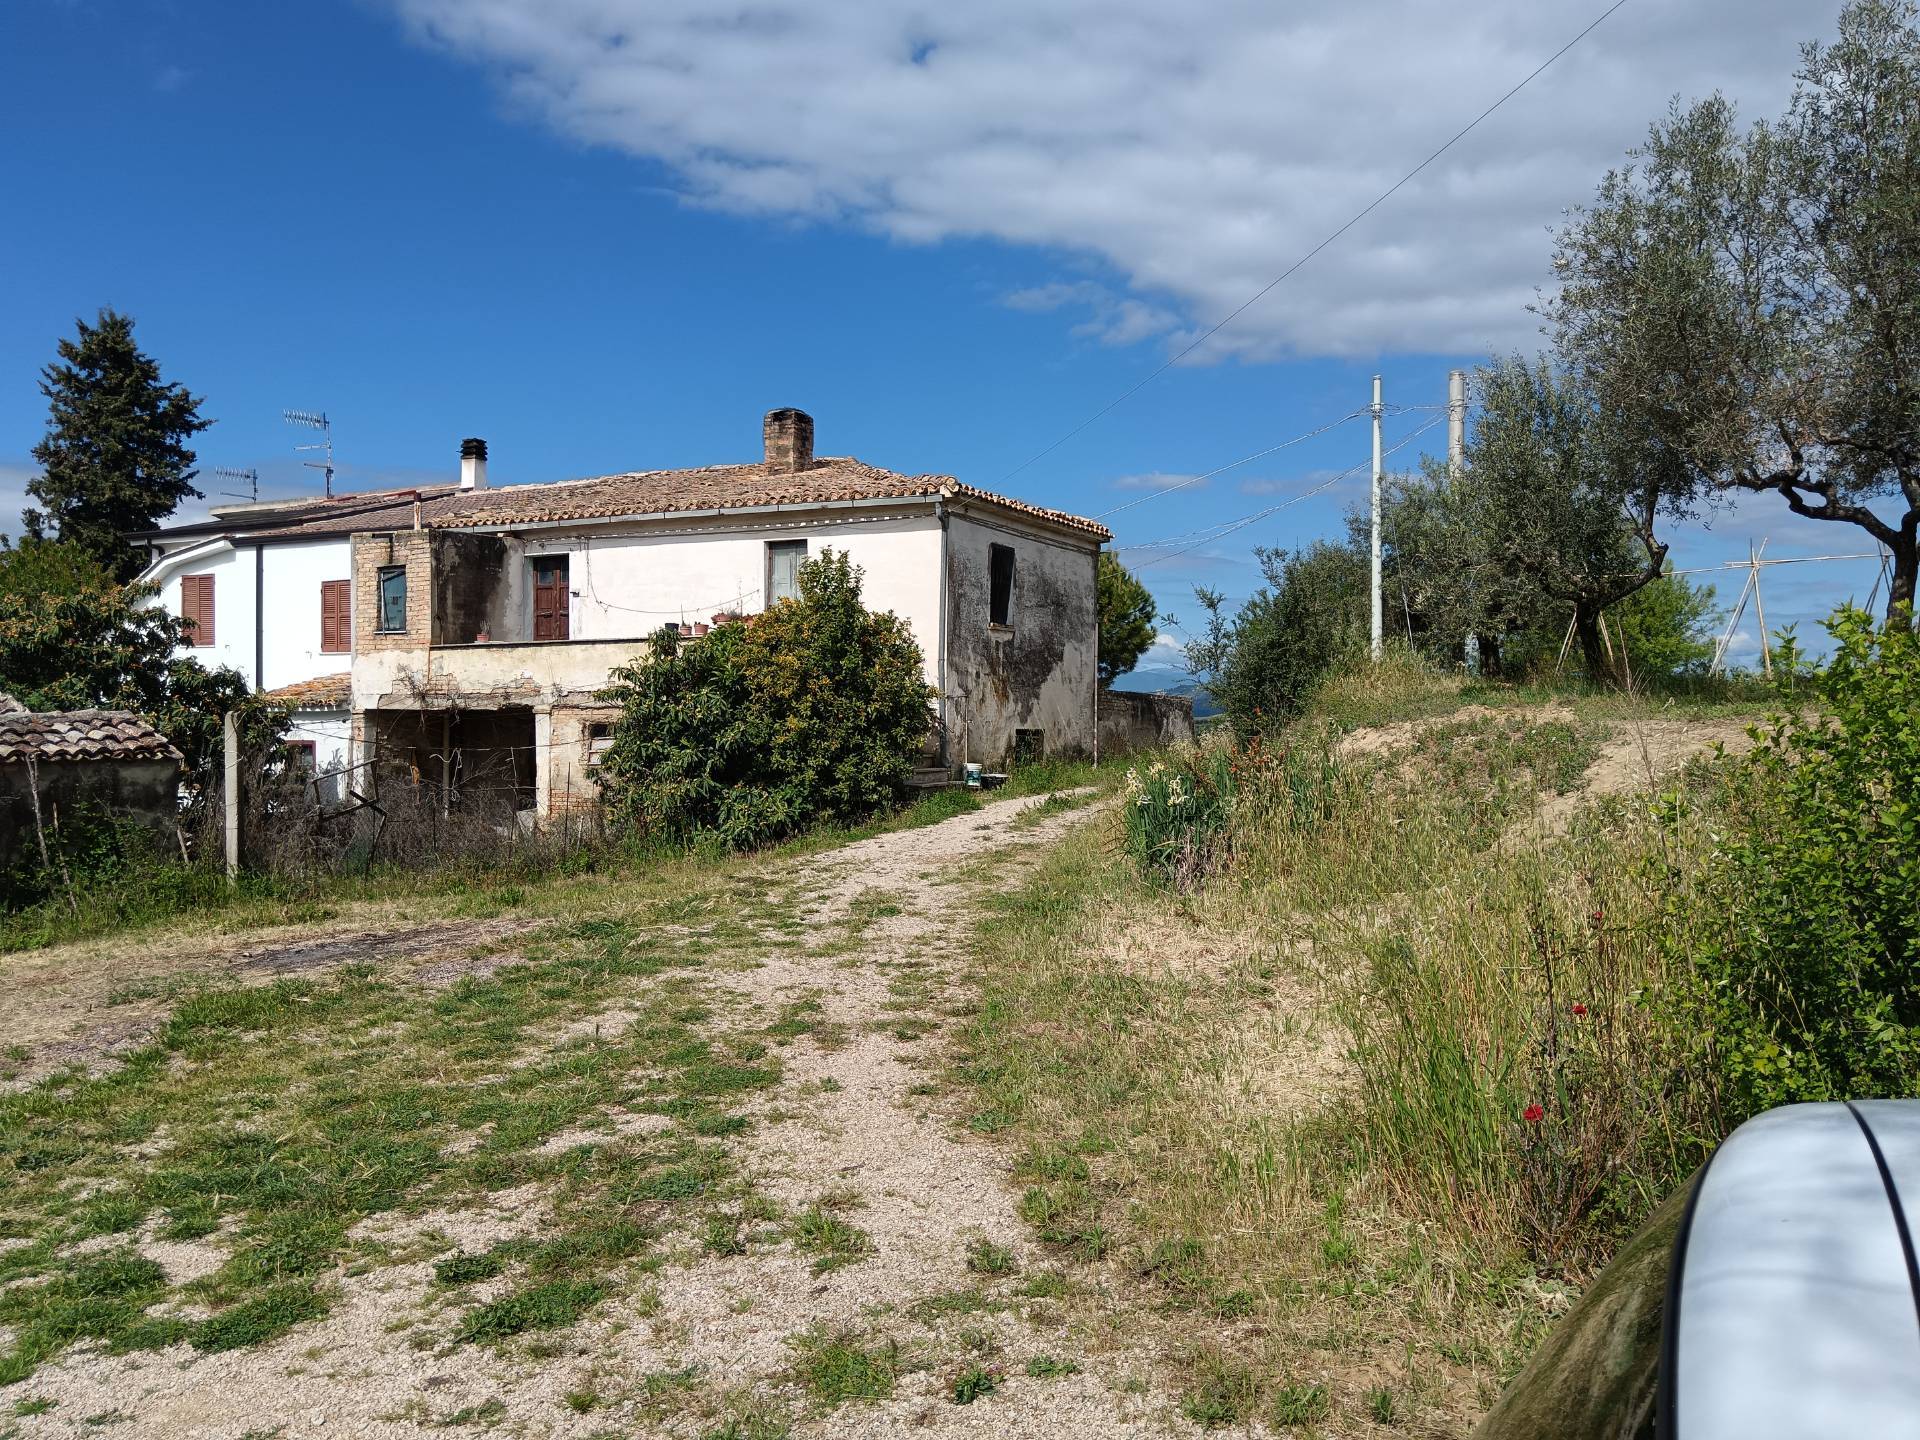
<point>473,464</point>
<point>789,437</point>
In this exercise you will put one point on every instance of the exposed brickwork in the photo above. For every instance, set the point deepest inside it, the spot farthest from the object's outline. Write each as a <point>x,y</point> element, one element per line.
<point>411,548</point>
<point>571,786</point>
<point>788,435</point>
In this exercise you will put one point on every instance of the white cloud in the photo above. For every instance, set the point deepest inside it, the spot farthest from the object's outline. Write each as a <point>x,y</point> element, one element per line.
<point>1193,151</point>
<point>13,494</point>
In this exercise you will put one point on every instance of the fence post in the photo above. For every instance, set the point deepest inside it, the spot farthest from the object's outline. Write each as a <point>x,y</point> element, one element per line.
<point>230,739</point>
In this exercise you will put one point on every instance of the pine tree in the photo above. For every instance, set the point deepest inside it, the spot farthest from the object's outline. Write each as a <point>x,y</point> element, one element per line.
<point>1126,619</point>
<point>115,458</point>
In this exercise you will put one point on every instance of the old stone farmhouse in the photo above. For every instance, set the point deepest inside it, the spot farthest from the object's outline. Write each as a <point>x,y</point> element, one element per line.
<point>473,624</point>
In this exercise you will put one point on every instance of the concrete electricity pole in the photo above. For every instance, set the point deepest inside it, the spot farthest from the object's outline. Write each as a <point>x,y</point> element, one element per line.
<point>1456,422</point>
<point>1376,630</point>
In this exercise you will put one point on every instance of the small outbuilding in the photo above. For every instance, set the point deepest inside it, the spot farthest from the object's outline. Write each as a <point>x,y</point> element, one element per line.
<point>59,765</point>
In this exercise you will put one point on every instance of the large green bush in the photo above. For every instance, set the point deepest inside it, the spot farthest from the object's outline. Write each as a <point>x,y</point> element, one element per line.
<point>1307,619</point>
<point>814,711</point>
<point>1802,931</point>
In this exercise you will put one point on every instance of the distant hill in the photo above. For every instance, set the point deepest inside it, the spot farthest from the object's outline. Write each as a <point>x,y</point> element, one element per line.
<point>1170,682</point>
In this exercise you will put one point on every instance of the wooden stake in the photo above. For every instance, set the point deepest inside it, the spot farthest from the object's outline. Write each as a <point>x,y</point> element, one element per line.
<point>230,740</point>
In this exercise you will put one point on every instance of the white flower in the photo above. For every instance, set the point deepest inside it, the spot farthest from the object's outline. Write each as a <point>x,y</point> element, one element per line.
<point>1176,793</point>
<point>1134,787</point>
<point>1159,767</point>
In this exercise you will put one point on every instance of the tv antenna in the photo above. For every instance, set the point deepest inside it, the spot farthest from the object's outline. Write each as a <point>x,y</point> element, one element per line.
<point>250,475</point>
<point>318,422</point>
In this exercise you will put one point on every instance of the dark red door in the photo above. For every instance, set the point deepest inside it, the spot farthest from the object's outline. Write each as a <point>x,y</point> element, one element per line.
<point>550,596</point>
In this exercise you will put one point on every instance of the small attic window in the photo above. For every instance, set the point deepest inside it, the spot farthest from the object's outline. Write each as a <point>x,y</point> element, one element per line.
<point>599,741</point>
<point>999,584</point>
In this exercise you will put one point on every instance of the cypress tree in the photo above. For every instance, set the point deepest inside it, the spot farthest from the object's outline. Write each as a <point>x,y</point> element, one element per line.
<point>115,457</point>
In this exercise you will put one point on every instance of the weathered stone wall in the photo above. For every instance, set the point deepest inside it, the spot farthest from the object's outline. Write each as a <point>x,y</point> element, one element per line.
<point>1134,720</point>
<point>469,574</point>
<point>1037,672</point>
<point>144,792</point>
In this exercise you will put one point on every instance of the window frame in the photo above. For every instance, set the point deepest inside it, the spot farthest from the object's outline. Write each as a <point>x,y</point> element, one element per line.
<point>599,738</point>
<point>784,547</point>
<point>381,575</point>
<point>999,589</point>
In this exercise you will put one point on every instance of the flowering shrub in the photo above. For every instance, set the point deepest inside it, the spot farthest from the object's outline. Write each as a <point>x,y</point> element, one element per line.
<point>1177,814</point>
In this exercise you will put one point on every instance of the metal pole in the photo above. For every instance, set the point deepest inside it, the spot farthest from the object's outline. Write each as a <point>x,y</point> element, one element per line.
<point>230,740</point>
<point>1377,617</point>
<point>1456,422</point>
<point>1759,608</point>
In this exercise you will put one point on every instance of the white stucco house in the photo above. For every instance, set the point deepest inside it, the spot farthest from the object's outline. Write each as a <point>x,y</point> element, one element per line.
<point>268,600</point>
<point>480,621</point>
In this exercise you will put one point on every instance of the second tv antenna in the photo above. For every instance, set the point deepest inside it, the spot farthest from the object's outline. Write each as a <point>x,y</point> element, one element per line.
<point>249,475</point>
<point>316,421</point>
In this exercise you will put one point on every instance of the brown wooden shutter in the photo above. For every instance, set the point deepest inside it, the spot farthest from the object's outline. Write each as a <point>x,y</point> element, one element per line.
<point>196,608</point>
<point>336,616</point>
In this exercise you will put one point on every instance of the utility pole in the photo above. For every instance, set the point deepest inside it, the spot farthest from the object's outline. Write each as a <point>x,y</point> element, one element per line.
<point>1456,423</point>
<point>1456,471</point>
<point>1377,616</point>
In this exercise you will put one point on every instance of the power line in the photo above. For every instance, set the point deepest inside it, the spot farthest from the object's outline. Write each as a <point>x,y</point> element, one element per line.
<point>1358,216</point>
<point>1235,464</point>
<point>1220,532</point>
<point>1209,532</point>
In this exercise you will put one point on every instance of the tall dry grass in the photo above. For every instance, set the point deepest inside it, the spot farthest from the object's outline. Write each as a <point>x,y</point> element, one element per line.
<point>1348,1105</point>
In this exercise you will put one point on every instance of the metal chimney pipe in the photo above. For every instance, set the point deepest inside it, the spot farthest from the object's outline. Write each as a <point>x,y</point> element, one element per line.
<point>473,464</point>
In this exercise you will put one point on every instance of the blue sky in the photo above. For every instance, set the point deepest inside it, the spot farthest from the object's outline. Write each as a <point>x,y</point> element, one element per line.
<point>607,234</point>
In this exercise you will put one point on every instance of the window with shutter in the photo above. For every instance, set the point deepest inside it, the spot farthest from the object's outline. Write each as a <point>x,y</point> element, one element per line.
<point>196,609</point>
<point>336,616</point>
<point>784,559</point>
<point>552,597</point>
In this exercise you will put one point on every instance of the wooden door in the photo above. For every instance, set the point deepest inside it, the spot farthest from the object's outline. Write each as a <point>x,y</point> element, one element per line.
<point>550,597</point>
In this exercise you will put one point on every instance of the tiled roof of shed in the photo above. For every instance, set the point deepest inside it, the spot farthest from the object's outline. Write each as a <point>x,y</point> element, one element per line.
<point>666,492</point>
<point>323,692</point>
<point>80,735</point>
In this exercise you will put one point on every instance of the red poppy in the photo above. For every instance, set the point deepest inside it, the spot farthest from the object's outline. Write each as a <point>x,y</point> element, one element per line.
<point>1597,916</point>
<point>1533,1114</point>
<point>1578,1008</point>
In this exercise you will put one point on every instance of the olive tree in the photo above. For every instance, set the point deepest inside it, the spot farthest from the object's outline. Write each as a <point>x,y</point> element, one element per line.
<point>1557,514</point>
<point>1747,301</point>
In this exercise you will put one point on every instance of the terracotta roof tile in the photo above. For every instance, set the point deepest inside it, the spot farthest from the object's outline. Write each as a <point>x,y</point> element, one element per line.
<point>80,735</point>
<point>323,692</point>
<point>665,492</point>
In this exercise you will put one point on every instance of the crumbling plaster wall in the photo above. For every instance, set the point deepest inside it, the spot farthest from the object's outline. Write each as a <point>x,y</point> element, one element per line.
<point>1039,671</point>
